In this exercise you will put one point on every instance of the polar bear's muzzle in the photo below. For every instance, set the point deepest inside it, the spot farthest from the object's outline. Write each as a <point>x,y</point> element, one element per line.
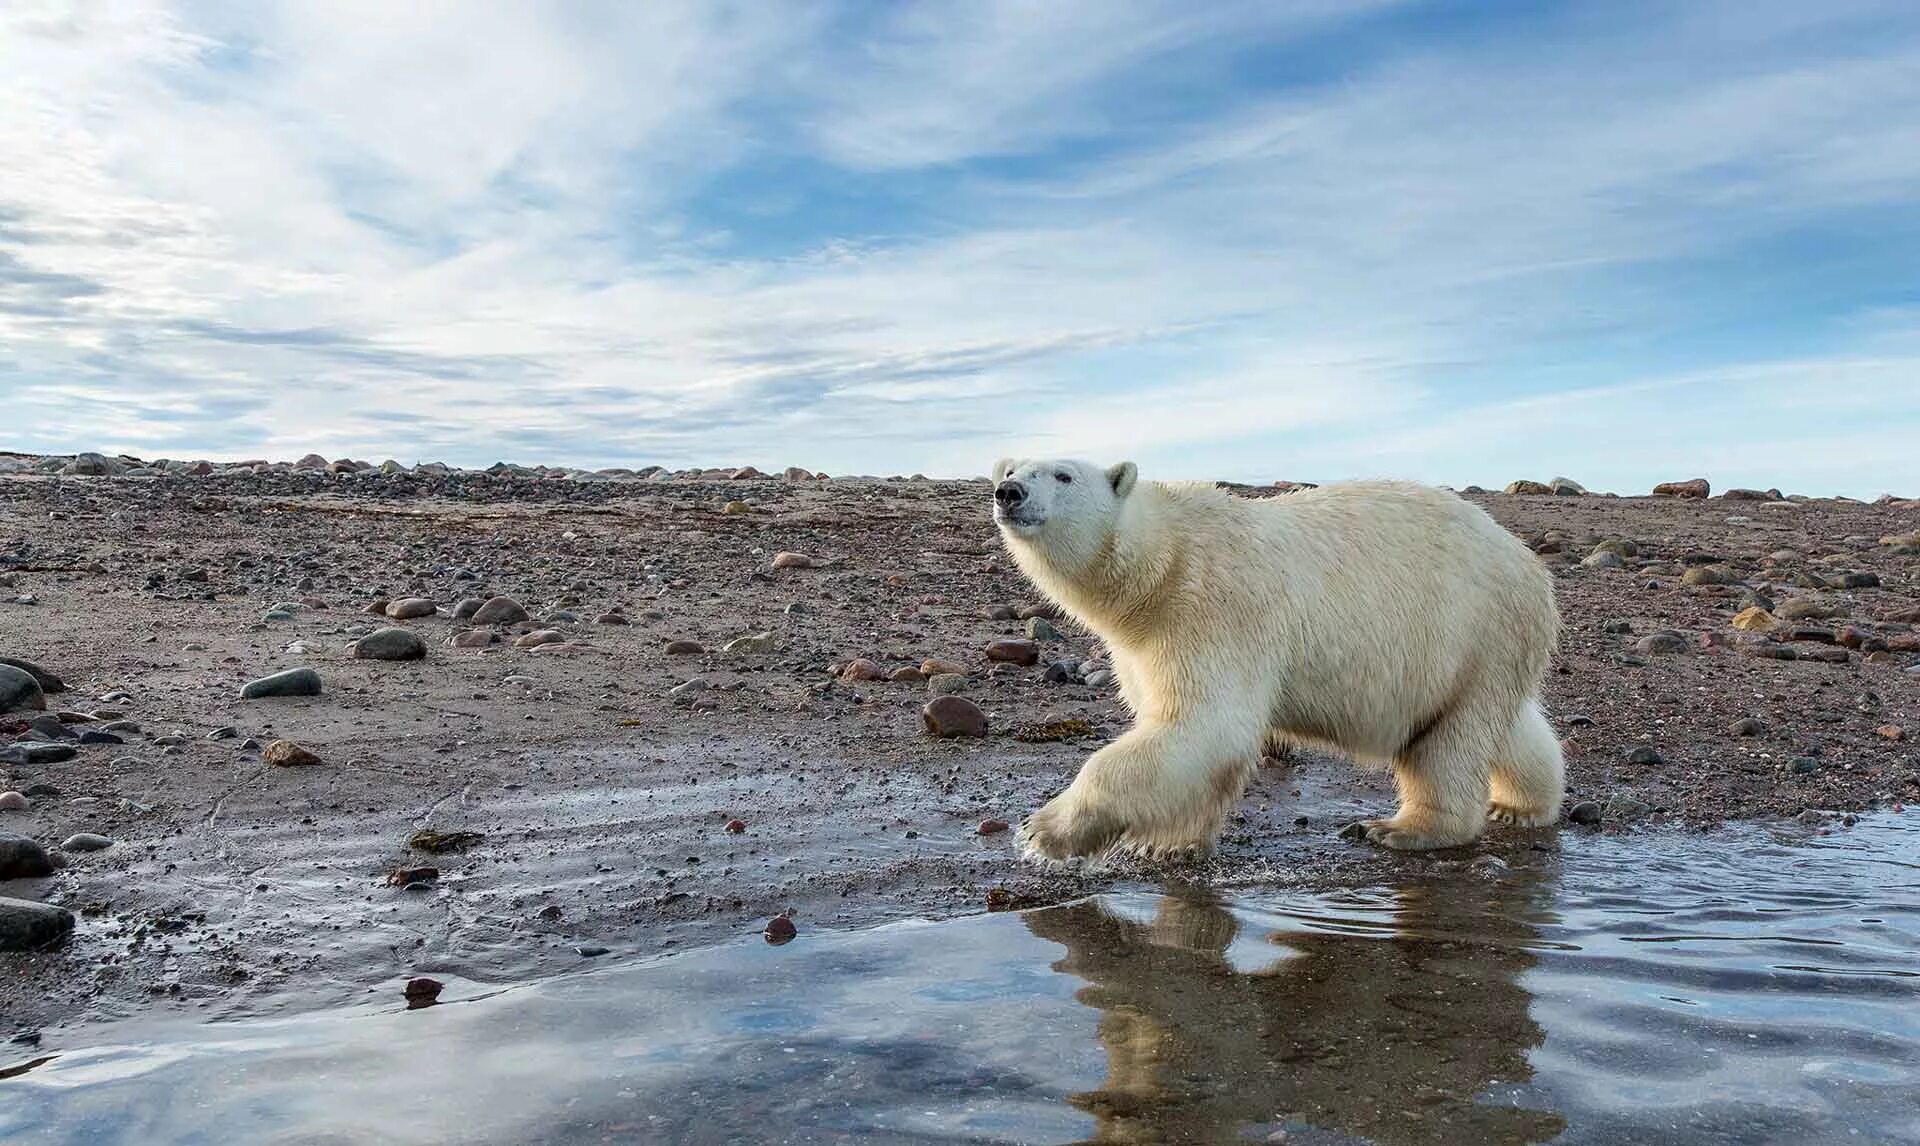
<point>1010,505</point>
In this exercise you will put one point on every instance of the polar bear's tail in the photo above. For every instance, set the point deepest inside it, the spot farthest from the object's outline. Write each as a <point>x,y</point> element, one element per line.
<point>1528,773</point>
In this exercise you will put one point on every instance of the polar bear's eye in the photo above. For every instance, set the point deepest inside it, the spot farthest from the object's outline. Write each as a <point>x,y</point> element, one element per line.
<point>1064,478</point>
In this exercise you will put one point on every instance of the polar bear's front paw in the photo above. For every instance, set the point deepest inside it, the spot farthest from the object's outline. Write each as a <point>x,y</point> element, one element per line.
<point>1405,835</point>
<point>1068,827</point>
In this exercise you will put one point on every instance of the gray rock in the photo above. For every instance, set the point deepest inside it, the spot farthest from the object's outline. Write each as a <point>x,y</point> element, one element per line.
<point>1603,559</point>
<point>22,858</point>
<point>757,643</point>
<point>1584,812</point>
<point>26,924</point>
<point>1645,755</point>
<point>1803,766</point>
<point>1100,678</point>
<point>37,752</point>
<point>50,727</point>
<point>390,645</point>
<point>500,611</point>
<point>1041,629</point>
<point>293,682</point>
<point>1660,643</point>
<point>19,690</point>
<point>49,683</point>
<point>687,690</point>
<point>467,608</point>
<point>93,465</point>
<point>947,683</point>
<point>85,842</point>
<point>1626,808</point>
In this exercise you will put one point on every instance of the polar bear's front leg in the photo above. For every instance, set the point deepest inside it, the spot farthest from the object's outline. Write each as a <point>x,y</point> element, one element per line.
<point>1158,789</point>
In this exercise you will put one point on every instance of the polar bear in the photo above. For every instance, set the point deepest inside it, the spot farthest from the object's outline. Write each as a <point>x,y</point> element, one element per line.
<point>1394,622</point>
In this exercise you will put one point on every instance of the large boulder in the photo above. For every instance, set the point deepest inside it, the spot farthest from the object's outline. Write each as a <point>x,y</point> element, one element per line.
<point>1691,488</point>
<point>26,924</point>
<point>19,690</point>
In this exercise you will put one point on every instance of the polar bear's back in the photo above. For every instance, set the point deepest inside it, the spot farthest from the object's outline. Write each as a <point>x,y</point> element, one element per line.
<point>1362,597</point>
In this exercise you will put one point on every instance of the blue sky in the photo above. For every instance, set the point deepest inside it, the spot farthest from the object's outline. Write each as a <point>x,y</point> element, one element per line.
<point>1619,241</point>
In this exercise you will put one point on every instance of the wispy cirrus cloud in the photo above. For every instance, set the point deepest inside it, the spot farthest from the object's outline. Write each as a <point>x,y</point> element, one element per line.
<point>1233,240</point>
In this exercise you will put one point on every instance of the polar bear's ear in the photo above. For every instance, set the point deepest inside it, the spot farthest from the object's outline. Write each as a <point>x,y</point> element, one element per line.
<point>1002,468</point>
<point>1122,477</point>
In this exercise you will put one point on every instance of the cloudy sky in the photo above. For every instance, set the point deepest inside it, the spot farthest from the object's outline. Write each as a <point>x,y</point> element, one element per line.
<point>1619,241</point>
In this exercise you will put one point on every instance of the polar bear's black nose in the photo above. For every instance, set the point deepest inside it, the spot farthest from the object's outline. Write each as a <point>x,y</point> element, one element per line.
<point>1009,493</point>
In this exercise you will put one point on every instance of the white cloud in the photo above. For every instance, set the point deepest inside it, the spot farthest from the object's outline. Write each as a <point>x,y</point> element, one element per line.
<point>480,231</point>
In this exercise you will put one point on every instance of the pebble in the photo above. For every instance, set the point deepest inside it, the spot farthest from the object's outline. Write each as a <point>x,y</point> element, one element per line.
<point>408,608</point>
<point>14,802</point>
<point>1616,626</point>
<point>1747,726</point>
<point>590,951</point>
<point>26,924</point>
<point>789,560</point>
<point>19,690</point>
<point>612,619</point>
<point>1001,613</point>
<point>992,827</point>
<point>1645,755</point>
<point>539,637</point>
<point>684,648</point>
<point>1803,766</point>
<point>22,858</point>
<point>735,508</point>
<point>1013,651</point>
<point>1891,732</point>
<point>390,645</point>
<point>736,826</point>
<point>1584,812</point>
<point>421,991</point>
<point>292,682</point>
<point>85,842</point>
<point>287,754</point>
<point>780,929</point>
<point>687,689</point>
<point>951,716</point>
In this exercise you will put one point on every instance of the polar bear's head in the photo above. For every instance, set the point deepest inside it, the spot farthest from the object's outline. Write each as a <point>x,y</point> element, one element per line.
<point>1060,501</point>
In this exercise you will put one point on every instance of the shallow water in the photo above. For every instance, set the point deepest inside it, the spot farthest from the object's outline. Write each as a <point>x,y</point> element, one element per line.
<point>1741,986</point>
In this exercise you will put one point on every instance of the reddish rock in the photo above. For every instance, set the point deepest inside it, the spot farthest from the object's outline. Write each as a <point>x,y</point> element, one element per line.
<point>935,666</point>
<point>402,876</point>
<point>860,668</point>
<point>788,560</point>
<point>1013,651</point>
<point>1891,732</point>
<point>410,607</point>
<point>539,637</point>
<point>993,827</point>
<point>736,826</point>
<point>287,754</point>
<point>474,639</point>
<point>780,929</point>
<point>500,611</point>
<point>951,716</point>
<point>422,991</point>
<point>907,674</point>
<point>1692,488</point>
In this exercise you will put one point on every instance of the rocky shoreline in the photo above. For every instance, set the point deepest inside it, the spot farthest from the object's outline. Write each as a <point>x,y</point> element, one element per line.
<point>278,734</point>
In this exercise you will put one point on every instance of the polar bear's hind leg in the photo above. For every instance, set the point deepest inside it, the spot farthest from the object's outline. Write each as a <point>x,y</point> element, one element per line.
<point>1528,773</point>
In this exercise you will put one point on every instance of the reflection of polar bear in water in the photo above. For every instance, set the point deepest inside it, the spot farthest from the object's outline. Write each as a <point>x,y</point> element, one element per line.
<point>1394,622</point>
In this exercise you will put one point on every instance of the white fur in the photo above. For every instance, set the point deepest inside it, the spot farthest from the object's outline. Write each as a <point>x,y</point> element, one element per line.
<point>1394,622</point>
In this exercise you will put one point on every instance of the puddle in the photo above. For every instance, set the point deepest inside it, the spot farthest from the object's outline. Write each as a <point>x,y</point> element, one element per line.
<point>1741,986</point>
